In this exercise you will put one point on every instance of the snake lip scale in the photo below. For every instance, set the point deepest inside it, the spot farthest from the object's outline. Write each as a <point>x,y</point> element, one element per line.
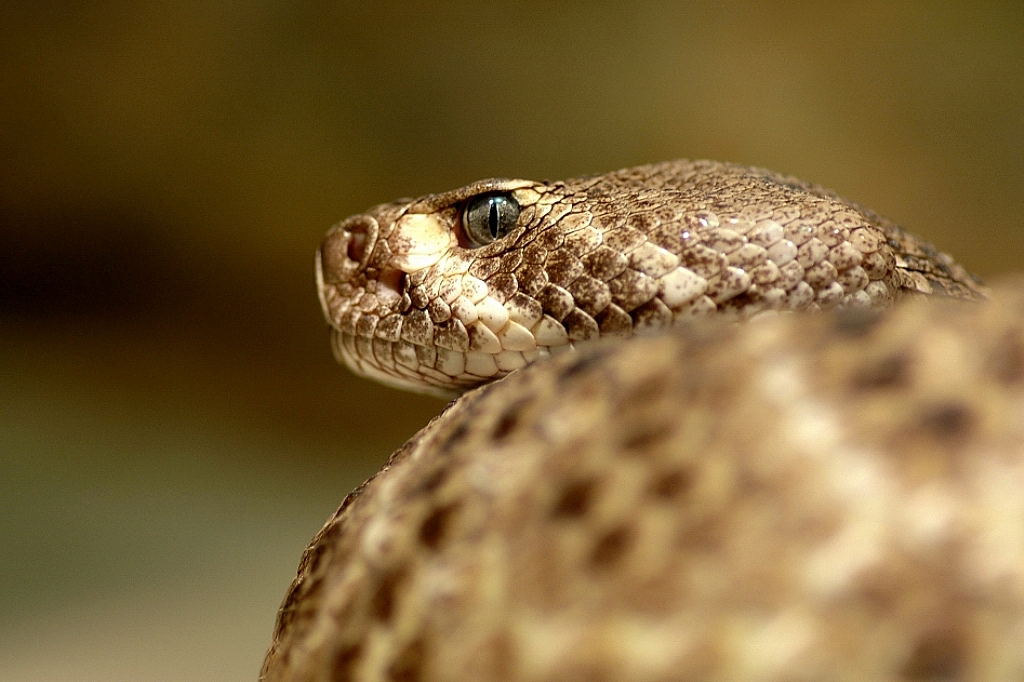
<point>414,302</point>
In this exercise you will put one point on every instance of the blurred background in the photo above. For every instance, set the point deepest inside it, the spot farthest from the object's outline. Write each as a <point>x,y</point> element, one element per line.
<point>173,428</point>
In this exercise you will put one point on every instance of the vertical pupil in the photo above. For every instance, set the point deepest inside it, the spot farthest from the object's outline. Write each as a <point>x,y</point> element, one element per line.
<point>489,217</point>
<point>492,217</point>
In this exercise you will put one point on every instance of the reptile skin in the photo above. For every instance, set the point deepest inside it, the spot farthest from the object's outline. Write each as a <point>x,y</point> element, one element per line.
<point>803,497</point>
<point>413,304</point>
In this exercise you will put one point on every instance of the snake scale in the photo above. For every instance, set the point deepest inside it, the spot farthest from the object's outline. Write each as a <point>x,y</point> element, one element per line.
<point>830,496</point>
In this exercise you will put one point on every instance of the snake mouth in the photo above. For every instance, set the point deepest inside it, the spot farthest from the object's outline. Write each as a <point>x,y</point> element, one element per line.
<point>405,365</point>
<point>426,368</point>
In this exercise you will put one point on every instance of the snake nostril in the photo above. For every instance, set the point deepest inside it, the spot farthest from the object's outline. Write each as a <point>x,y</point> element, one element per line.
<point>356,249</point>
<point>346,248</point>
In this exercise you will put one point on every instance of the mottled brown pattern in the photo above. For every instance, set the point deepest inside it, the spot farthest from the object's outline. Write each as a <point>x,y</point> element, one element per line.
<point>803,497</point>
<point>638,249</point>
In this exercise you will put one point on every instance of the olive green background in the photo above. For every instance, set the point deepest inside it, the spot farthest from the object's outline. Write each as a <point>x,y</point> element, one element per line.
<point>173,428</point>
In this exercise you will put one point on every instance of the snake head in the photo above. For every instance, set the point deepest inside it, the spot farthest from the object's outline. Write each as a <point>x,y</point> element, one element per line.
<point>444,292</point>
<point>404,288</point>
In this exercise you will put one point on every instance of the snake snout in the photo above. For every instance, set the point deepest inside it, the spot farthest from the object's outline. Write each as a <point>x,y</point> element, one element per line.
<point>346,249</point>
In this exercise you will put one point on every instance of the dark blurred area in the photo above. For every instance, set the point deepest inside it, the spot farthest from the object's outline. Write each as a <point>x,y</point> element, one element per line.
<point>173,428</point>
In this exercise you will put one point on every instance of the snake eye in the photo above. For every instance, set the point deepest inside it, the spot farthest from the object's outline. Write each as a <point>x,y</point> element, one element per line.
<point>489,217</point>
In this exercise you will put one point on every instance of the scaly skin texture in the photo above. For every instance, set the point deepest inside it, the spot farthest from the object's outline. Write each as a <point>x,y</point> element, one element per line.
<point>800,497</point>
<point>413,304</point>
<point>803,497</point>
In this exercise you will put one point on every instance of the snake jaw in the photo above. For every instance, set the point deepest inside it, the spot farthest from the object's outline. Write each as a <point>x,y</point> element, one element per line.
<point>342,346</point>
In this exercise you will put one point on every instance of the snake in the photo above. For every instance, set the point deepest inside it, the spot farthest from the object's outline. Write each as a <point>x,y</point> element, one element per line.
<point>825,491</point>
